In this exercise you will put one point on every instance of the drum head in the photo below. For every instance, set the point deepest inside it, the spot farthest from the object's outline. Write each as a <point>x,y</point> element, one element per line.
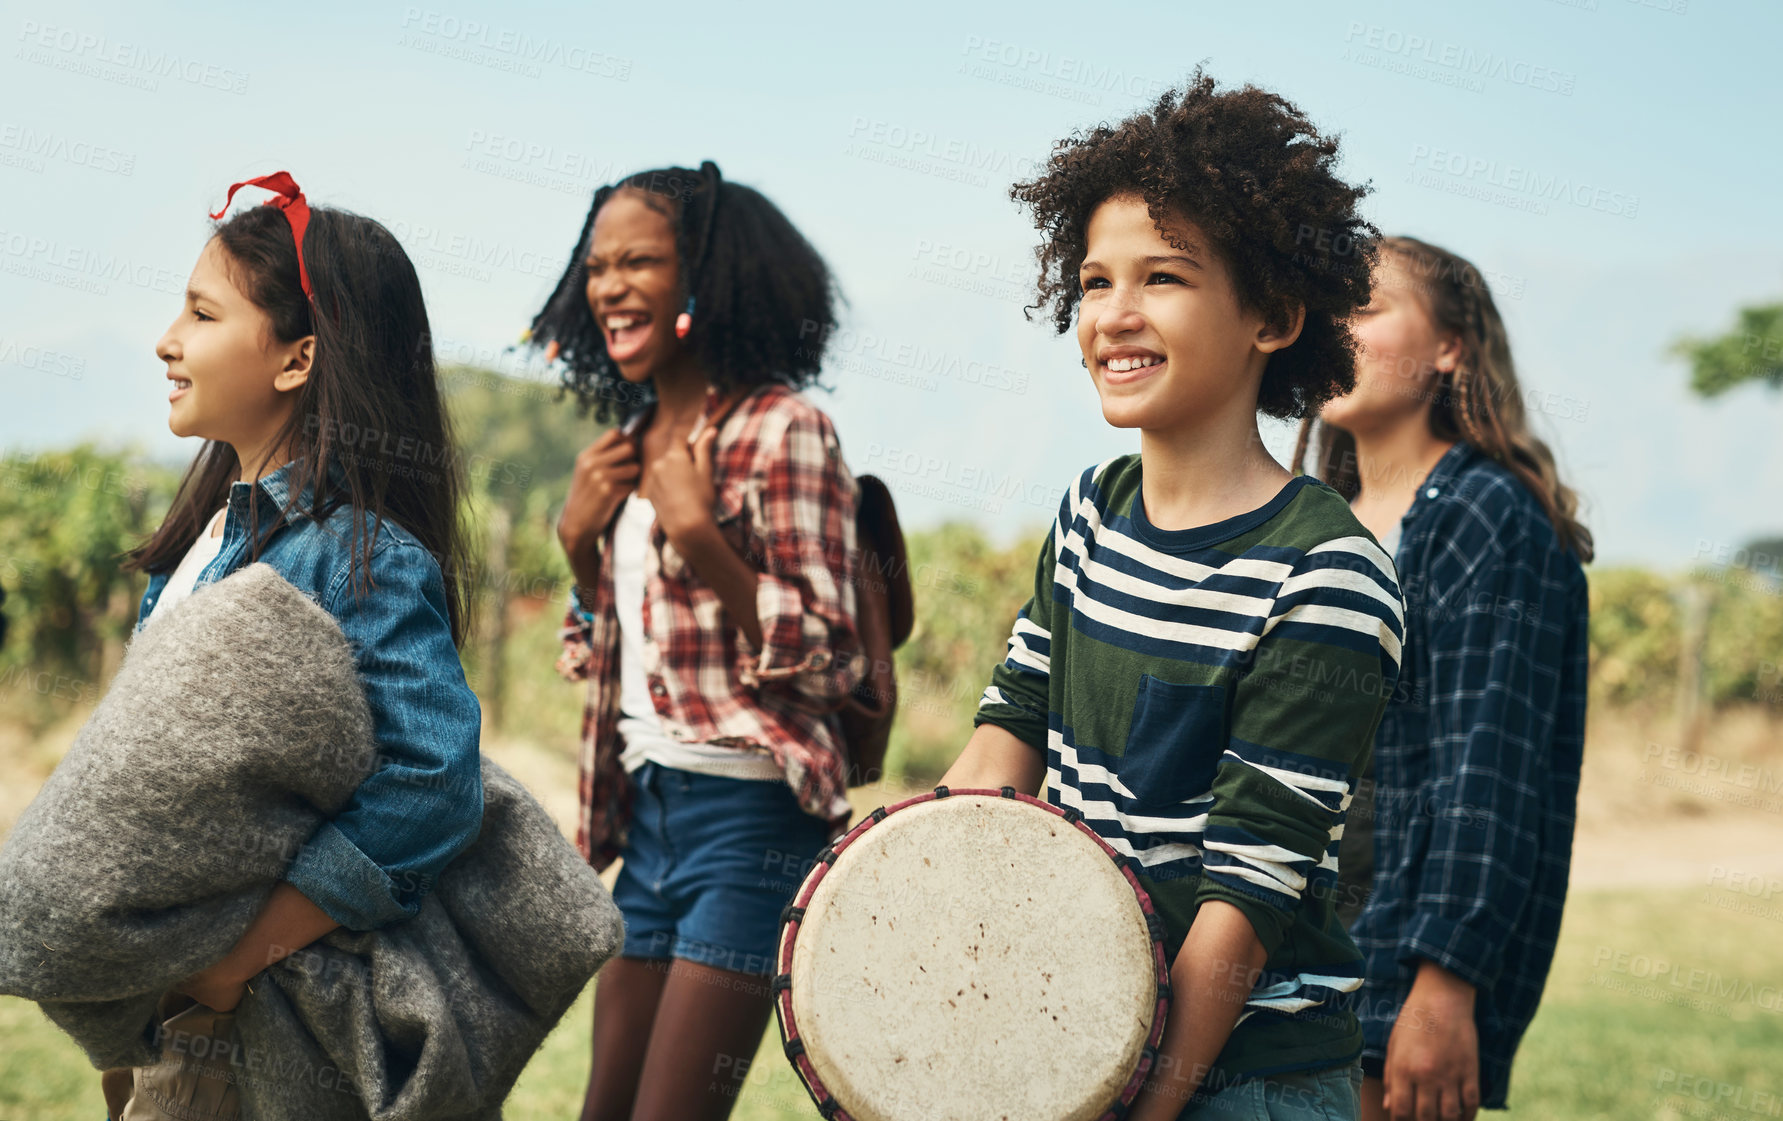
<point>976,957</point>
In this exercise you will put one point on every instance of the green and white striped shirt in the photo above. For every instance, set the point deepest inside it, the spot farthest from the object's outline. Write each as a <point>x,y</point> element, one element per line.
<point>1206,699</point>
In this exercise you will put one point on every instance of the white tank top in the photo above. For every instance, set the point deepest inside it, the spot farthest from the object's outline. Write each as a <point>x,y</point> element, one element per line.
<point>639,726</point>
<point>203,551</point>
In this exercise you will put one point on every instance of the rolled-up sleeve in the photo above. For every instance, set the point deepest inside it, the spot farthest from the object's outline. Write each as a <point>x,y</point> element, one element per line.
<point>805,547</point>
<point>374,861</point>
<point>575,642</point>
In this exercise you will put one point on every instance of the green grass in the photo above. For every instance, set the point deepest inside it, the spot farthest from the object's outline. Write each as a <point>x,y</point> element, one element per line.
<point>1595,1053</point>
<point>552,1086</point>
<point>1712,1023</point>
<point>43,1076</point>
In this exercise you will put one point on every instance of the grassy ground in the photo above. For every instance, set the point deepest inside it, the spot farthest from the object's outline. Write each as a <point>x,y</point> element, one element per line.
<point>1618,1038</point>
<point>1656,998</point>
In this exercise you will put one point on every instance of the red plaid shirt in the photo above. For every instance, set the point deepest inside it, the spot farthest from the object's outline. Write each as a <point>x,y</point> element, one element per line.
<point>786,503</point>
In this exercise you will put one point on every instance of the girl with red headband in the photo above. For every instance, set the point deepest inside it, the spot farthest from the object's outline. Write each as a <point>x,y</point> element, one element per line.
<point>301,334</point>
<point>712,537</point>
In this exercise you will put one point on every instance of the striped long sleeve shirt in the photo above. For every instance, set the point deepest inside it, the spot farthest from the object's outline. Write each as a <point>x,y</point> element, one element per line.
<point>1206,698</point>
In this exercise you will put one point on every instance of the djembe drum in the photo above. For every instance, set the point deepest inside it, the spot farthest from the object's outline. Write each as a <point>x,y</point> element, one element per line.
<point>971,955</point>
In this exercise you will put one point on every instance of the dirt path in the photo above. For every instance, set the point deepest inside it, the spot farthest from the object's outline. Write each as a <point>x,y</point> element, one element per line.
<point>1722,851</point>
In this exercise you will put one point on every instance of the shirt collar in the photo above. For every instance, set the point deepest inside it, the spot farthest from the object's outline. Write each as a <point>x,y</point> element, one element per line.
<point>715,404</point>
<point>276,487</point>
<point>1442,476</point>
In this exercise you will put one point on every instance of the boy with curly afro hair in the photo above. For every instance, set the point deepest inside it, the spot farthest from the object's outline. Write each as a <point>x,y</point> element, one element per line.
<point>1211,640</point>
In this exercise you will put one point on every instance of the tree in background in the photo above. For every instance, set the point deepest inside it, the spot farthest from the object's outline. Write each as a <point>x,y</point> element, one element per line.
<point>520,439</point>
<point>1752,351</point>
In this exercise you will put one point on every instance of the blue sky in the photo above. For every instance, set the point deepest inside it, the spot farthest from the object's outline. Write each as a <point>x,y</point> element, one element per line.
<point>890,137</point>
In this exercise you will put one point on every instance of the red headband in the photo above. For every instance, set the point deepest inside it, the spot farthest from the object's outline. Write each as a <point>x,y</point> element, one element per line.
<point>290,200</point>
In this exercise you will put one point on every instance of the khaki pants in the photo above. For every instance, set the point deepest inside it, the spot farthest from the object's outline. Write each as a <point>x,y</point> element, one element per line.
<point>194,1081</point>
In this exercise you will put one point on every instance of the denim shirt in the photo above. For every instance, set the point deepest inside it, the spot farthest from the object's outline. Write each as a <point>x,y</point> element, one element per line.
<point>374,861</point>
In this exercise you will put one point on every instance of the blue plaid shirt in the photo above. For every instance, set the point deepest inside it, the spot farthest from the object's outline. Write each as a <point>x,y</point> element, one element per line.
<point>1476,761</point>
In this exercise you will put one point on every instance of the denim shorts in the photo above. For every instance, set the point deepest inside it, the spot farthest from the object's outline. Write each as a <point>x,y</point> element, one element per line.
<point>1332,1094</point>
<point>709,864</point>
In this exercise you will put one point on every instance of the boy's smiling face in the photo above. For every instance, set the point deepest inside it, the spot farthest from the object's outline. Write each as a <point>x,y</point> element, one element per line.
<point>1163,334</point>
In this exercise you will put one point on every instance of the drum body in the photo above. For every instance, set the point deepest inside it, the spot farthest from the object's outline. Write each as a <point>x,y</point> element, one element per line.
<point>971,955</point>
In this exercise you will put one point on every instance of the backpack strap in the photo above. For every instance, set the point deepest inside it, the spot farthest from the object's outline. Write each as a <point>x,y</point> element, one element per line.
<point>882,541</point>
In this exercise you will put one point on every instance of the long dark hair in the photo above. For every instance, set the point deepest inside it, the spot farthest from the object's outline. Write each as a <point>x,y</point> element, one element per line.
<point>371,404</point>
<point>1479,402</point>
<point>764,301</point>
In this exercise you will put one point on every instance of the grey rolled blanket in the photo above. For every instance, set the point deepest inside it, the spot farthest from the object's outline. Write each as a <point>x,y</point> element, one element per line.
<point>235,725</point>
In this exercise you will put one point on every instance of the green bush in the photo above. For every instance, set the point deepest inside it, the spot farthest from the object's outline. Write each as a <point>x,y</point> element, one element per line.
<point>66,520</point>
<point>1745,637</point>
<point>1637,623</point>
<point>1635,630</point>
<point>967,595</point>
<point>66,517</point>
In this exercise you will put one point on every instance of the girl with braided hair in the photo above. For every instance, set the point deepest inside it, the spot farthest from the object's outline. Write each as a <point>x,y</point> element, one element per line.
<point>1476,762</point>
<point>712,538</point>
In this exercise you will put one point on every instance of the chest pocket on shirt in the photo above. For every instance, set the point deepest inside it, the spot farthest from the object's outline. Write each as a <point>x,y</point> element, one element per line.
<point>1174,740</point>
<point>737,510</point>
<point>731,511</point>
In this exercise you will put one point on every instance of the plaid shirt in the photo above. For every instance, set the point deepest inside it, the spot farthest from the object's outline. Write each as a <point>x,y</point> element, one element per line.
<point>1477,759</point>
<point>786,503</point>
